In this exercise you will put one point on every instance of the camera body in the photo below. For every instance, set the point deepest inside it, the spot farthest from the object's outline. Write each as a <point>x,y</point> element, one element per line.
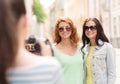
<point>32,45</point>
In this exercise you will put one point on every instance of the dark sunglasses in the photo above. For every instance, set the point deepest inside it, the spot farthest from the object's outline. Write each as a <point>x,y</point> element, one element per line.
<point>90,28</point>
<point>61,29</point>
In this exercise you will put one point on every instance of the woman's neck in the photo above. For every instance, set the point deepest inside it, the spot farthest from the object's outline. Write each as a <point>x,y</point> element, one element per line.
<point>92,42</point>
<point>65,42</point>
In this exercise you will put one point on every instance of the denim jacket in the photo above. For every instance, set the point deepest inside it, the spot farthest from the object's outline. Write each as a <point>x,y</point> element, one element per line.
<point>103,63</point>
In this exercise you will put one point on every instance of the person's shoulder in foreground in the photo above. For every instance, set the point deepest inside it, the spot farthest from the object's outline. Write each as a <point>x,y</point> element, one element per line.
<point>47,71</point>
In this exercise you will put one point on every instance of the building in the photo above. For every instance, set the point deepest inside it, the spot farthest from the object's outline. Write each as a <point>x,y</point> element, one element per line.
<point>115,22</point>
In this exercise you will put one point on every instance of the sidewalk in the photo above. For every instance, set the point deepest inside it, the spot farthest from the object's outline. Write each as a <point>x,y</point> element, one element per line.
<point>117,66</point>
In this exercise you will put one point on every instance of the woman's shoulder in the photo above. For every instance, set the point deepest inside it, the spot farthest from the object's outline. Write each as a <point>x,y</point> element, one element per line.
<point>41,62</point>
<point>48,61</point>
<point>46,67</point>
<point>105,44</point>
<point>108,45</point>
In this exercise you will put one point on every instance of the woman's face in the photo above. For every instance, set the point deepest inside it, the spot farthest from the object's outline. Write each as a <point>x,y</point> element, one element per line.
<point>64,30</point>
<point>90,30</point>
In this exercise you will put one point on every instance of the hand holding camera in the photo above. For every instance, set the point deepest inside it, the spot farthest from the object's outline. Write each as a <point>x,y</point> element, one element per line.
<point>41,46</point>
<point>45,47</point>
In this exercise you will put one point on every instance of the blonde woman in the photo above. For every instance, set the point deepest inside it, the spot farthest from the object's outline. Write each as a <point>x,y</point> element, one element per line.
<point>67,51</point>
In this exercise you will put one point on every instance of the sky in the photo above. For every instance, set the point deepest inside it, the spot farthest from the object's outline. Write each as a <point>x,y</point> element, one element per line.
<point>46,3</point>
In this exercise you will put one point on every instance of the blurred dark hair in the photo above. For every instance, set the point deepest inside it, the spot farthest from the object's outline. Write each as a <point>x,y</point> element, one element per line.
<point>100,32</point>
<point>10,13</point>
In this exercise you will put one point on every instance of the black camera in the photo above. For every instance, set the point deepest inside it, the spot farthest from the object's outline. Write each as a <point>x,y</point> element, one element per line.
<point>32,45</point>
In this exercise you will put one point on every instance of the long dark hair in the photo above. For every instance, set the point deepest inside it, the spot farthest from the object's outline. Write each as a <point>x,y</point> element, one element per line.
<point>100,32</point>
<point>10,12</point>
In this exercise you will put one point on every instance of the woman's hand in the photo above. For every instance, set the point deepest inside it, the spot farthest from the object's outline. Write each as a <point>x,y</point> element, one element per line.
<point>45,48</point>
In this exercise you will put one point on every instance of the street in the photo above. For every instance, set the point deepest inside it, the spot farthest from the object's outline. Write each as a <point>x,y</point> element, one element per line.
<point>118,66</point>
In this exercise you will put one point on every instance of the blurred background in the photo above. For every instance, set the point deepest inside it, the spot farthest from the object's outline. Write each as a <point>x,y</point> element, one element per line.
<point>107,11</point>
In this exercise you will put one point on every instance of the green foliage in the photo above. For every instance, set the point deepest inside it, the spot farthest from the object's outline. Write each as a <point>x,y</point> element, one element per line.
<point>39,11</point>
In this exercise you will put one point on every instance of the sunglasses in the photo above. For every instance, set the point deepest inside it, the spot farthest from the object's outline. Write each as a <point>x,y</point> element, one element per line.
<point>90,28</point>
<point>61,29</point>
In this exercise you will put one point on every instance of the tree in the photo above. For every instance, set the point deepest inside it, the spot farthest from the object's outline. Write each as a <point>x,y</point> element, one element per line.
<point>39,11</point>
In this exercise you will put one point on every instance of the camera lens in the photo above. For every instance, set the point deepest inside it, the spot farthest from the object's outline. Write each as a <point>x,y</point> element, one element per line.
<point>37,47</point>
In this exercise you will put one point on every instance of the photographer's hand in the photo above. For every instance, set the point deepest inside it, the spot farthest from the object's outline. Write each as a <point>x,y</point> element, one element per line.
<point>45,48</point>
